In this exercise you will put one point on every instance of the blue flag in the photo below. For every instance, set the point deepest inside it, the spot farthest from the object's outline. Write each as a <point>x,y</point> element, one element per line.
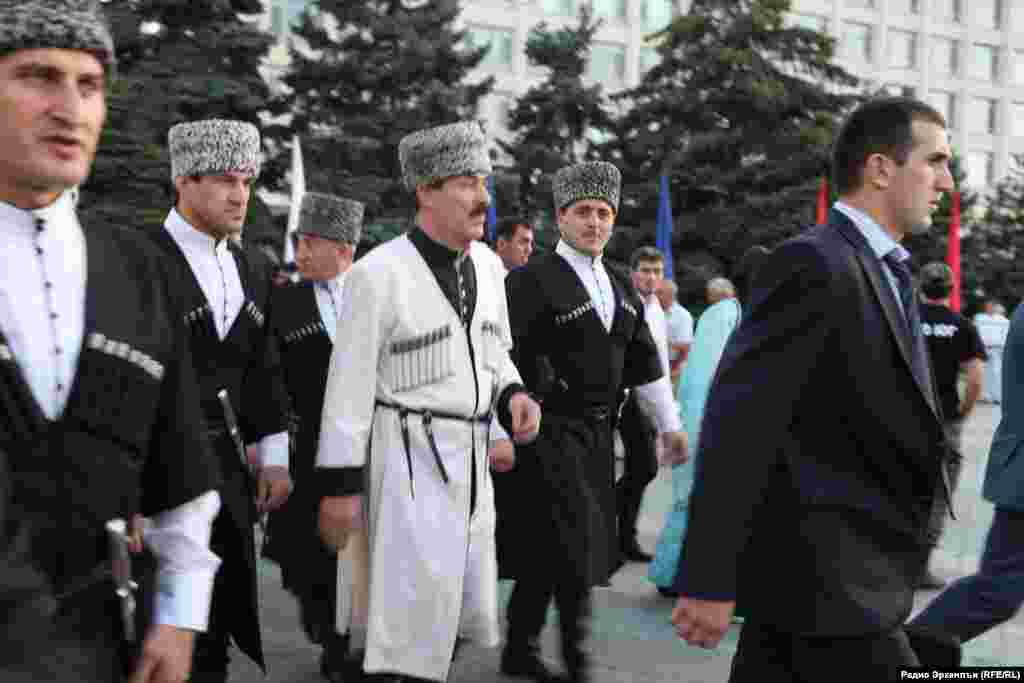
<point>663,234</point>
<point>491,226</point>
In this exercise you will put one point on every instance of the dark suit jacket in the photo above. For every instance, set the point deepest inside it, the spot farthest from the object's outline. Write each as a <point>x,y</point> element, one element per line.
<point>819,452</point>
<point>1004,475</point>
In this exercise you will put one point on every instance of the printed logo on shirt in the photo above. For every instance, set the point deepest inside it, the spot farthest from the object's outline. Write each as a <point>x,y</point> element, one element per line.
<point>574,314</point>
<point>938,330</point>
<point>255,313</point>
<point>5,353</point>
<point>111,347</point>
<point>304,332</point>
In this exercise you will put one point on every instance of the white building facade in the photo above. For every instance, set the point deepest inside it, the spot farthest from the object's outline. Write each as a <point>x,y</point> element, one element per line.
<point>965,57</point>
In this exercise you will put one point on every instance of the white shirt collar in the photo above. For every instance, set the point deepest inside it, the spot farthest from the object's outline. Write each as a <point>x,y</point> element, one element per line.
<point>573,255</point>
<point>188,236</point>
<point>60,212</point>
<point>878,239</point>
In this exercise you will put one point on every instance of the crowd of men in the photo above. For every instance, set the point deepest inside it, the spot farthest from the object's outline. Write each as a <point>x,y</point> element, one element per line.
<point>439,414</point>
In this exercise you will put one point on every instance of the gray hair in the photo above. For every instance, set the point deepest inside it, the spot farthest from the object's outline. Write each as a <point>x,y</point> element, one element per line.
<point>720,288</point>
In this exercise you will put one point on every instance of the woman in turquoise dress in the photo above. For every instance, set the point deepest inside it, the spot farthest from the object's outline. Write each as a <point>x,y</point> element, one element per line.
<point>713,330</point>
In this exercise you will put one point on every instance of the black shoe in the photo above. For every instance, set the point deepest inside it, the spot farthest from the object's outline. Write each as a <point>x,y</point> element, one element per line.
<point>668,592</point>
<point>931,582</point>
<point>632,551</point>
<point>525,662</point>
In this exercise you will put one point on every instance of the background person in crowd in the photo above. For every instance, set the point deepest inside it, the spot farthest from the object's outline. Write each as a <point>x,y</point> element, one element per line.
<point>719,288</point>
<point>978,603</point>
<point>993,327</point>
<point>954,348</point>
<point>639,433</point>
<point>417,368</point>
<point>579,337</point>
<point>99,417</point>
<point>305,319</point>
<point>224,289</point>
<point>514,242</point>
<point>822,449</point>
<point>680,329</point>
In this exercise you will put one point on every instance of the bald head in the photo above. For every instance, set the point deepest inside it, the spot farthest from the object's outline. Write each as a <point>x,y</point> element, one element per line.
<point>720,288</point>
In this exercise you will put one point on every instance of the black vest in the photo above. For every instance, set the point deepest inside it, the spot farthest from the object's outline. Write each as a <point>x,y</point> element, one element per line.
<point>129,439</point>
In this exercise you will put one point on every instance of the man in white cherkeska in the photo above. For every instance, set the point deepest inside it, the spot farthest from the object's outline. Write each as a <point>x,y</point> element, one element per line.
<point>417,369</point>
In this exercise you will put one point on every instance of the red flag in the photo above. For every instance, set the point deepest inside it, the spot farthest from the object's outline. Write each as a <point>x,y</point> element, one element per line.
<point>953,250</point>
<point>821,216</point>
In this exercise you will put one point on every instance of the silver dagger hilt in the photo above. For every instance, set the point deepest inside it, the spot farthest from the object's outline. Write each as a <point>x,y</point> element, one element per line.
<point>121,570</point>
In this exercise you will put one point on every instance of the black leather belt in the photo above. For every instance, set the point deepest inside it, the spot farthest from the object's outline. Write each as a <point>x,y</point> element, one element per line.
<point>427,417</point>
<point>587,413</point>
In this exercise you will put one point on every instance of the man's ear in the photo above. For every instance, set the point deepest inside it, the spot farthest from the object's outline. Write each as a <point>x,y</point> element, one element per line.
<point>878,171</point>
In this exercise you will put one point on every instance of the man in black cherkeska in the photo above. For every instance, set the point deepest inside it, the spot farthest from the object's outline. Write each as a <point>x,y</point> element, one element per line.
<point>99,414</point>
<point>224,290</point>
<point>306,317</point>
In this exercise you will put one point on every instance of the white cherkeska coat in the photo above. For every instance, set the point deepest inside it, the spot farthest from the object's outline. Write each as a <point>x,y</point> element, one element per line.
<point>433,570</point>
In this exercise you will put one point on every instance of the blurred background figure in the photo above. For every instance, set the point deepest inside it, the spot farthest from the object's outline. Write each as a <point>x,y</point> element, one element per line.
<point>514,242</point>
<point>993,327</point>
<point>680,328</point>
<point>719,288</point>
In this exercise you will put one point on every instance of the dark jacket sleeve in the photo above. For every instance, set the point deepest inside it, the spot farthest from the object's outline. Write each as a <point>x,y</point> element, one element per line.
<point>749,410</point>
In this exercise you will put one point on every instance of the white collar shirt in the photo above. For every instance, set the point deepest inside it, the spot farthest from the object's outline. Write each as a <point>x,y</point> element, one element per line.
<point>592,273</point>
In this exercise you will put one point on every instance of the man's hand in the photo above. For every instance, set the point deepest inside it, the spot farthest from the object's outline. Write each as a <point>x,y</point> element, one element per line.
<point>339,516</point>
<point>166,655</point>
<point>674,448</point>
<point>273,488</point>
<point>502,455</point>
<point>525,417</point>
<point>702,622</point>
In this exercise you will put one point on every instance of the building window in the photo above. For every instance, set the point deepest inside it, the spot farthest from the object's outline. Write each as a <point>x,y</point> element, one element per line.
<point>981,115</point>
<point>985,62</point>
<point>560,8</point>
<point>986,13</point>
<point>981,169</point>
<point>902,49</point>
<point>861,4</point>
<point>1018,67</point>
<point>811,22</point>
<point>656,14</point>
<point>946,10</point>
<point>945,104</point>
<point>857,41</point>
<point>610,9</point>
<point>649,57</point>
<point>607,63</point>
<point>945,59</point>
<point>497,41</point>
<point>1017,119</point>
<point>903,6</point>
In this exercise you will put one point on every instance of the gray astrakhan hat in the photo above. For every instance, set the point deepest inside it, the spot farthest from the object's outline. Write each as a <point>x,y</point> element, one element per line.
<point>587,180</point>
<point>62,24</point>
<point>213,147</point>
<point>331,217</point>
<point>443,152</point>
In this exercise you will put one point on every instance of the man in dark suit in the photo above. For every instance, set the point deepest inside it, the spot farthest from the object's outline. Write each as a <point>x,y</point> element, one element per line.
<point>974,604</point>
<point>825,403</point>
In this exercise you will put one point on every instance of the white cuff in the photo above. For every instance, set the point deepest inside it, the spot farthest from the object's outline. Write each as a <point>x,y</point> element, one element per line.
<point>656,400</point>
<point>497,432</point>
<point>272,450</point>
<point>183,599</point>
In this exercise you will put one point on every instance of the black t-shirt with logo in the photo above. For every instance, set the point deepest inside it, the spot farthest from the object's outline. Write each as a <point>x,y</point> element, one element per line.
<point>952,339</point>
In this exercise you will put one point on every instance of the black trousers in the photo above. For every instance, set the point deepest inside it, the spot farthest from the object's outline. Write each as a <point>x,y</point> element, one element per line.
<point>766,653</point>
<point>640,466</point>
<point>528,608</point>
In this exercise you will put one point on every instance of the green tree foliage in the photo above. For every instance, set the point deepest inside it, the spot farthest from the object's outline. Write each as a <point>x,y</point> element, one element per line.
<point>740,112</point>
<point>179,60</point>
<point>994,247</point>
<point>552,121</point>
<point>364,75</point>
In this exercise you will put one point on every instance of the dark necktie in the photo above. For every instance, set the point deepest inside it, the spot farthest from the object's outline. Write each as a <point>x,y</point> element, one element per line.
<point>912,318</point>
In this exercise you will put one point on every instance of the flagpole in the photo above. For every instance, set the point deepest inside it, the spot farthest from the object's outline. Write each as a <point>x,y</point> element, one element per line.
<point>821,213</point>
<point>298,190</point>
<point>663,229</point>
<point>953,250</point>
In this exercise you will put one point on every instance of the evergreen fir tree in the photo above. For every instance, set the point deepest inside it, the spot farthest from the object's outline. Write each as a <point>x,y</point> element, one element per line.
<point>740,112</point>
<point>365,75</point>
<point>179,60</point>
<point>551,122</point>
